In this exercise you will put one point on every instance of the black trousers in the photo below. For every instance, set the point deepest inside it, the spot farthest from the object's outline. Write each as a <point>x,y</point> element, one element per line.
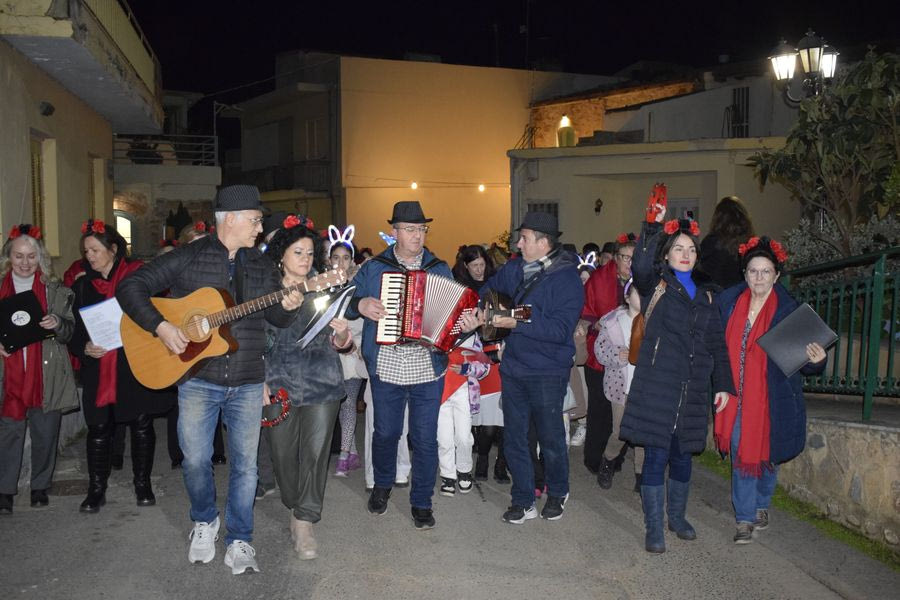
<point>599,419</point>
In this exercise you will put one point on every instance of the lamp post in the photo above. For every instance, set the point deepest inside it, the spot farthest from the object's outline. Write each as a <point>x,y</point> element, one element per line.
<point>818,62</point>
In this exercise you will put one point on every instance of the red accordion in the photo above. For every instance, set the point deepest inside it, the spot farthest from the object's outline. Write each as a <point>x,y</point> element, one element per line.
<point>422,307</point>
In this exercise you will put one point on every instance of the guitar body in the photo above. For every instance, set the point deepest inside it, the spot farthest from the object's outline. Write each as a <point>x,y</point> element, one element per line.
<point>152,363</point>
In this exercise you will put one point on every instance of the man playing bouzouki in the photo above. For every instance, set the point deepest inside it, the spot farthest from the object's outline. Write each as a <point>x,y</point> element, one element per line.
<point>233,383</point>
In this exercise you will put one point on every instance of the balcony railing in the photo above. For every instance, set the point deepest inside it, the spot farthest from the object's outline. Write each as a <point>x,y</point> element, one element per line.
<point>863,312</point>
<point>122,26</point>
<point>171,150</point>
<point>309,175</point>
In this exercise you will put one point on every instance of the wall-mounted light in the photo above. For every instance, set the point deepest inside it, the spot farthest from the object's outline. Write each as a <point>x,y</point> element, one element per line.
<point>818,62</point>
<point>414,186</point>
<point>480,187</point>
<point>565,133</point>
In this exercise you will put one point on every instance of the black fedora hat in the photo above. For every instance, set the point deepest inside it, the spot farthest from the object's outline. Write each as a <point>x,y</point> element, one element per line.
<point>408,211</point>
<point>541,221</point>
<point>238,197</point>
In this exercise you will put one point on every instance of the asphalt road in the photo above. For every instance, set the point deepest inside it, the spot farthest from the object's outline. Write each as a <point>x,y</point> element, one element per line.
<point>594,551</point>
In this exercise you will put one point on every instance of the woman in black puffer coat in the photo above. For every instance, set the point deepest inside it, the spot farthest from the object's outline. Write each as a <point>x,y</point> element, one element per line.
<point>683,346</point>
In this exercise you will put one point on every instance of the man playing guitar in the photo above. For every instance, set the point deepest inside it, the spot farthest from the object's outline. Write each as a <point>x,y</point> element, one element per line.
<point>233,383</point>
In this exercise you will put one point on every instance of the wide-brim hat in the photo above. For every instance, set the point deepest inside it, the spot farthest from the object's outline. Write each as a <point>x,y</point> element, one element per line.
<point>238,197</point>
<point>273,222</point>
<point>541,221</point>
<point>408,211</point>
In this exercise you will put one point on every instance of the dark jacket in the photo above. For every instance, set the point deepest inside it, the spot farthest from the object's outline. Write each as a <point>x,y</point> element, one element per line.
<point>546,345</point>
<point>310,375</point>
<point>368,284</point>
<point>132,398</point>
<point>204,263</point>
<point>787,410</point>
<point>721,264</point>
<point>683,346</point>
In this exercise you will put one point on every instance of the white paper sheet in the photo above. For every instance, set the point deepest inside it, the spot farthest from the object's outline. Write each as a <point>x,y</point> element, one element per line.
<point>102,322</point>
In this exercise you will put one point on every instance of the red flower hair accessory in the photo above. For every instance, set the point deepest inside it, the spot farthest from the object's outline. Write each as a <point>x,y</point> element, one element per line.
<point>291,221</point>
<point>624,238</point>
<point>93,226</point>
<point>773,247</point>
<point>683,225</point>
<point>750,244</point>
<point>25,229</point>
<point>200,226</point>
<point>671,226</point>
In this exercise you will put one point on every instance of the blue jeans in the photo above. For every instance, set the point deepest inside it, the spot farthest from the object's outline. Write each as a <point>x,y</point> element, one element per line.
<point>537,399</point>
<point>388,403</point>
<point>199,403</point>
<point>656,459</point>
<point>749,493</point>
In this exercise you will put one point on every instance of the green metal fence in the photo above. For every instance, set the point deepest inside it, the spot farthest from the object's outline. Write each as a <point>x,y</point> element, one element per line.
<point>862,309</point>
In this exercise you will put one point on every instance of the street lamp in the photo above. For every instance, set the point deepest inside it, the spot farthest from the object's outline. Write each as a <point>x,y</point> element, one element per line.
<point>817,59</point>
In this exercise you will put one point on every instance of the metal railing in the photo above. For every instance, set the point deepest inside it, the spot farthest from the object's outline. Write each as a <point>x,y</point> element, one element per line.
<point>170,150</point>
<point>862,309</point>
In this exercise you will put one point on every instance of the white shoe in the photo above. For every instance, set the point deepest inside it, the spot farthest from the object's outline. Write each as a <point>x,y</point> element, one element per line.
<point>203,542</point>
<point>579,435</point>
<point>240,556</point>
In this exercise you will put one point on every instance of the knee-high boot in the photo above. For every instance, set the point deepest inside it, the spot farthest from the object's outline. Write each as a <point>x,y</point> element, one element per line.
<point>676,505</point>
<point>484,439</point>
<point>652,499</point>
<point>143,445</point>
<point>500,473</point>
<point>99,455</point>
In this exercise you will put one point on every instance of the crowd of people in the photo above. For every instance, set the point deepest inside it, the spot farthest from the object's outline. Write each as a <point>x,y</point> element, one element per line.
<point>659,328</point>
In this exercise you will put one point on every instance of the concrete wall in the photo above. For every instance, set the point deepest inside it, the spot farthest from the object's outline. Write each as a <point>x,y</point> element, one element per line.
<point>148,192</point>
<point>448,128</point>
<point>852,473</point>
<point>696,172</point>
<point>75,135</point>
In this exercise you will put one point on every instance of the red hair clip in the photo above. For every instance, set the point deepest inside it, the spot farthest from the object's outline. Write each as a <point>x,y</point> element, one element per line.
<point>624,238</point>
<point>683,225</point>
<point>671,226</point>
<point>779,251</point>
<point>25,229</point>
<point>749,245</point>
<point>200,226</point>
<point>291,221</point>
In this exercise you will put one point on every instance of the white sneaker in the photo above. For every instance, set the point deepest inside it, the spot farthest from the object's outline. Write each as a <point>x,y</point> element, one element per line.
<point>579,435</point>
<point>240,556</point>
<point>203,542</point>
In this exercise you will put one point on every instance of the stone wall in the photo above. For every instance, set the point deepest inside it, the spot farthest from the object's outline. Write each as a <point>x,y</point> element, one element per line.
<point>851,472</point>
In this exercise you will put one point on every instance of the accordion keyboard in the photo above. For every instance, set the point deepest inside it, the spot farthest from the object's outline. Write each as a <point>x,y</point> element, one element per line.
<point>390,327</point>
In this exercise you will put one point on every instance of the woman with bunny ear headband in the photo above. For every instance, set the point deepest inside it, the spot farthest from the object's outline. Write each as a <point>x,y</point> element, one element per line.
<point>586,265</point>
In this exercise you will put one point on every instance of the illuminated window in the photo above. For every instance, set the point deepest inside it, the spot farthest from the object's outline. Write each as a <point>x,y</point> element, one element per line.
<point>37,183</point>
<point>123,226</point>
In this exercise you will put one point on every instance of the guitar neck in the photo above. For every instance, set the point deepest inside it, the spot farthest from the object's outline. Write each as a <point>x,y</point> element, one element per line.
<point>251,306</point>
<point>520,313</point>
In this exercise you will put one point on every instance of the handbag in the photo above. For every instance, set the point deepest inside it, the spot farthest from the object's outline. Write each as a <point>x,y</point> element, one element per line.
<point>640,323</point>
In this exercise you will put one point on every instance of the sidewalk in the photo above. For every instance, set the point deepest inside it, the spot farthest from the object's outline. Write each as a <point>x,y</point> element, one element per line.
<point>594,551</point>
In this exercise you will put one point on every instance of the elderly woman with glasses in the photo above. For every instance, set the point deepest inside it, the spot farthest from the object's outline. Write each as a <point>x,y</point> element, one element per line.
<point>765,423</point>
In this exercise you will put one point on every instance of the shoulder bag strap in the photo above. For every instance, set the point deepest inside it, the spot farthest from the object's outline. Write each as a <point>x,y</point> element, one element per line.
<point>657,293</point>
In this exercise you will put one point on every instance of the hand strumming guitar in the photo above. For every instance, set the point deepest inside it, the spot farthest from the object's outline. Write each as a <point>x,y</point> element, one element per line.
<point>173,338</point>
<point>292,301</point>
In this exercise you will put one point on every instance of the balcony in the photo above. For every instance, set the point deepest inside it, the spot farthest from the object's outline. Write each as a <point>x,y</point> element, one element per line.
<point>169,150</point>
<point>96,50</point>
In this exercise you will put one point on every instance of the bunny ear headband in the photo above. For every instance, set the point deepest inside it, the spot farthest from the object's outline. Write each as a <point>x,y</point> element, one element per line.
<point>589,260</point>
<point>335,237</point>
<point>388,239</point>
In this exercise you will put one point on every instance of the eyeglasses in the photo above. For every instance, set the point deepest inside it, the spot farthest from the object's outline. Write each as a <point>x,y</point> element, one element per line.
<point>413,229</point>
<point>760,273</point>
<point>624,257</point>
<point>254,221</point>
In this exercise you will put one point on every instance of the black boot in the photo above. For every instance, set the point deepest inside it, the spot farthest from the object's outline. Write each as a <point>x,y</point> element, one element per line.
<point>637,483</point>
<point>99,454</point>
<point>481,467</point>
<point>605,473</point>
<point>143,445</point>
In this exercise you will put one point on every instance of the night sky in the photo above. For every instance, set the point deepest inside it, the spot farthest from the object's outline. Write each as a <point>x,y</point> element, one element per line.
<point>208,46</point>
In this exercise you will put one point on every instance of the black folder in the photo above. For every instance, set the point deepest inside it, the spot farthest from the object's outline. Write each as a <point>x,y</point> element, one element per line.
<point>20,317</point>
<point>786,342</point>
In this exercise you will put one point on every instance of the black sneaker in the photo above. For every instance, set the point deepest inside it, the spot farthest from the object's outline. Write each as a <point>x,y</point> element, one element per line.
<point>481,467</point>
<point>605,473</point>
<point>219,459</point>
<point>6,504</point>
<point>519,514</point>
<point>554,507</point>
<point>465,482</point>
<point>448,487</point>
<point>423,518</point>
<point>378,500</point>
<point>39,498</point>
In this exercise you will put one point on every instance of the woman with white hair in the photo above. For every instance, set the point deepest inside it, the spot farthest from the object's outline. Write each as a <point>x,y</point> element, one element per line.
<point>38,384</point>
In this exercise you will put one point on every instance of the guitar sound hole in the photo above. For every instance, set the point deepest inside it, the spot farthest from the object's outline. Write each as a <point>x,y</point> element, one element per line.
<point>197,328</point>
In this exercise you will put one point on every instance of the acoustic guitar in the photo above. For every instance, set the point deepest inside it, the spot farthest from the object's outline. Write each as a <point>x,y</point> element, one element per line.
<point>495,304</point>
<point>203,317</point>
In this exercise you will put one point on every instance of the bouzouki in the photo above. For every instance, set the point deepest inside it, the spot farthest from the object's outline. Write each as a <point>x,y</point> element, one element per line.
<point>203,317</point>
<point>495,304</point>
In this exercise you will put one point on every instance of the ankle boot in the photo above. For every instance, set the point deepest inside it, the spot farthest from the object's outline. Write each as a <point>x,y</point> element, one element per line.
<point>605,473</point>
<point>143,445</point>
<point>637,483</point>
<point>652,499</point>
<point>99,455</point>
<point>676,503</point>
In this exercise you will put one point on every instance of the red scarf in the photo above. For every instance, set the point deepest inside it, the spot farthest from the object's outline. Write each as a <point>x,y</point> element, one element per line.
<point>753,449</point>
<point>106,387</point>
<point>23,383</point>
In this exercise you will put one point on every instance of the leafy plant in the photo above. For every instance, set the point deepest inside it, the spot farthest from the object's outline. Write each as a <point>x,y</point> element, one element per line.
<point>841,156</point>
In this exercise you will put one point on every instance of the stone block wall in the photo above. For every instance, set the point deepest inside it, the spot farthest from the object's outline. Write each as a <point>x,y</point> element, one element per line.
<point>851,472</point>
